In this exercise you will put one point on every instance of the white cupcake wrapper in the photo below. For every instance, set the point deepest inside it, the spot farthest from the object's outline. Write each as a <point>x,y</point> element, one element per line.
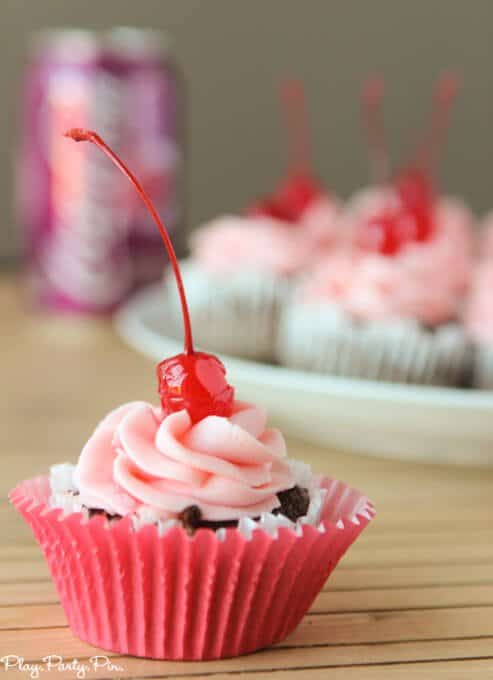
<point>236,315</point>
<point>482,376</point>
<point>323,339</point>
<point>63,488</point>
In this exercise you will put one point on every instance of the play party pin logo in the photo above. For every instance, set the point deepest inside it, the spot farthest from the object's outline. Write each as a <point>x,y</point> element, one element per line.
<point>53,663</point>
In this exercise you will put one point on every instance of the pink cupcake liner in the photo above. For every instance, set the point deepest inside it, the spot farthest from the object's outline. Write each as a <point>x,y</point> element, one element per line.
<point>175,596</point>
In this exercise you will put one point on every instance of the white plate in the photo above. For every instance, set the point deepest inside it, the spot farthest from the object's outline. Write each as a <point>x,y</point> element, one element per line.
<point>439,425</point>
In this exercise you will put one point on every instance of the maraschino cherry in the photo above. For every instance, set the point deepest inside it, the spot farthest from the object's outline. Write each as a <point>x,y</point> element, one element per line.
<point>194,381</point>
<point>409,218</point>
<point>300,188</point>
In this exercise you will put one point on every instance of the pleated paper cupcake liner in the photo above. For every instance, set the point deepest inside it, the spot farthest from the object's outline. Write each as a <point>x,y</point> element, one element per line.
<point>175,596</point>
<point>482,375</point>
<point>236,315</point>
<point>323,339</point>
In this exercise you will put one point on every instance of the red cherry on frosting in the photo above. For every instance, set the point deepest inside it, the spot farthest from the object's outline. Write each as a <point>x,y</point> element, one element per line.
<point>411,219</point>
<point>194,381</point>
<point>297,194</point>
<point>300,188</point>
<point>290,201</point>
<point>379,234</point>
<point>270,206</point>
<point>408,220</point>
<point>390,230</point>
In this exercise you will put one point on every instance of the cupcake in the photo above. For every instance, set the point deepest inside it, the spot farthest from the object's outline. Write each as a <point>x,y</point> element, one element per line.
<point>478,315</point>
<point>300,198</point>
<point>184,531</point>
<point>237,277</point>
<point>387,307</point>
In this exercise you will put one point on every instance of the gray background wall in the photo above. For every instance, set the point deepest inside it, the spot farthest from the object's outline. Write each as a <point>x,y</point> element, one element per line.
<point>234,51</point>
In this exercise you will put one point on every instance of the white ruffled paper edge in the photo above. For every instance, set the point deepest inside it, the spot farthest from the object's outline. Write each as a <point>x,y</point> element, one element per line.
<point>63,487</point>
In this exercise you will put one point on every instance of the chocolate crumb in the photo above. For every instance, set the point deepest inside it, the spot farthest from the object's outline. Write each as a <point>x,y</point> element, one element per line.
<point>223,524</point>
<point>294,502</point>
<point>190,517</point>
<point>98,511</point>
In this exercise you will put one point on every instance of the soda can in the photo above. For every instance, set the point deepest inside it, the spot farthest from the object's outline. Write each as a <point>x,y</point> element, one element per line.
<point>88,241</point>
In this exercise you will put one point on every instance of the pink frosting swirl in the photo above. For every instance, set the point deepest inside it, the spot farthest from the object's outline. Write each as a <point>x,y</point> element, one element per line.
<point>320,225</point>
<point>230,244</point>
<point>425,281</point>
<point>138,458</point>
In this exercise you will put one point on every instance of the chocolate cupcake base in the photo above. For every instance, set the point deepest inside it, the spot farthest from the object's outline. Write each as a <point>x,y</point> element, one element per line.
<point>293,504</point>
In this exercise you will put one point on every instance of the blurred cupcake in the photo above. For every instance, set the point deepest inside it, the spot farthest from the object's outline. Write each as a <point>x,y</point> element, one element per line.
<point>237,277</point>
<point>387,308</point>
<point>478,317</point>
<point>368,316</point>
<point>184,531</point>
<point>300,198</point>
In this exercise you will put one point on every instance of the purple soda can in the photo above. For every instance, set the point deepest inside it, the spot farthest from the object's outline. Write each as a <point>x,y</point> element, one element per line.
<point>88,242</point>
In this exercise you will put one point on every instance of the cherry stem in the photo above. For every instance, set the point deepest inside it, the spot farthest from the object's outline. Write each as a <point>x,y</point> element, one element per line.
<point>294,105</point>
<point>445,94</point>
<point>371,99</point>
<point>81,135</point>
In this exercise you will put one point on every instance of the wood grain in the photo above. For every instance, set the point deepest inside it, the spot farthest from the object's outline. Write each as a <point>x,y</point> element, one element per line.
<point>412,599</point>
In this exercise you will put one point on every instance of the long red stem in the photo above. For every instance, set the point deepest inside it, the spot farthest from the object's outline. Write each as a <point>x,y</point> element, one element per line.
<point>445,94</point>
<point>371,99</point>
<point>294,105</point>
<point>80,135</point>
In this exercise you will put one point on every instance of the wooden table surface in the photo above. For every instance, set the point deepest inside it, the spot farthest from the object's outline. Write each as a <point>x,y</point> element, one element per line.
<point>412,599</point>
